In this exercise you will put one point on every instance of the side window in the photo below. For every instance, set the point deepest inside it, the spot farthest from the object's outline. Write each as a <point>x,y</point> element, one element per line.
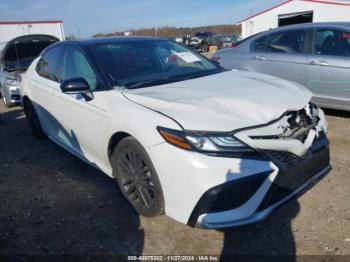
<point>332,42</point>
<point>260,44</point>
<point>76,65</point>
<point>290,42</point>
<point>48,64</point>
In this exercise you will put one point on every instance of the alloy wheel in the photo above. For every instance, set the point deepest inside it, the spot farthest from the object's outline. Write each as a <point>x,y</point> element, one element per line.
<point>136,178</point>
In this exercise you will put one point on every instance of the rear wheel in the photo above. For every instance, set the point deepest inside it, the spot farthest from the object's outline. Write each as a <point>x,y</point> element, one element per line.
<point>137,178</point>
<point>33,120</point>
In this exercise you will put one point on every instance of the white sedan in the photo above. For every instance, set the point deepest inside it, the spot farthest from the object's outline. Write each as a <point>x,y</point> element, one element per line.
<point>209,147</point>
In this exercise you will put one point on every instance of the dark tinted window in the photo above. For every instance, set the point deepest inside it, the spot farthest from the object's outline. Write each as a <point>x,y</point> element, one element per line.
<point>290,42</point>
<point>145,63</point>
<point>75,65</point>
<point>260,44</point>
<point>48,64</point>
<point>332,42</point>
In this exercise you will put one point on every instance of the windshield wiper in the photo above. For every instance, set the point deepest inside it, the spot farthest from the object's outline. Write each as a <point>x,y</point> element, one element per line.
<point>14,68</point>
<point>167,80</point>
<point>145,83</point>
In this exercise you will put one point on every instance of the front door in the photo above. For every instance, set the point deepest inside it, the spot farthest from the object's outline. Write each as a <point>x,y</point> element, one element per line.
<point>328,71</point>
<point>81,121</point>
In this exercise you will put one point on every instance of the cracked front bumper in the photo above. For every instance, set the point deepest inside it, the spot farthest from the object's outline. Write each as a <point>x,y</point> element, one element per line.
<point>294,177</point>
<point>211,221</point>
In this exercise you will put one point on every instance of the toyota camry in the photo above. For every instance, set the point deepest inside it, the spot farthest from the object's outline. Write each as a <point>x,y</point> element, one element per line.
<point>209,147</point>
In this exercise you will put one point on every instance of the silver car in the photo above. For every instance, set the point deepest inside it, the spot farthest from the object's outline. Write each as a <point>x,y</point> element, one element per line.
<point>316,55</point>
<point>15,57</point>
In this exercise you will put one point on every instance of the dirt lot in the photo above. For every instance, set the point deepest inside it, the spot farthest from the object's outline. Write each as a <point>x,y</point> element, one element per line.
<point>53,203</point>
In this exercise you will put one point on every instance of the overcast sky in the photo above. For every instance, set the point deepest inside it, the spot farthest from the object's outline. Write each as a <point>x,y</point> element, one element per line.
<point>87,17</point>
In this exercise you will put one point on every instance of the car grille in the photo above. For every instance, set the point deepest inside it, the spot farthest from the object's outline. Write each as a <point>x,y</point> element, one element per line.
<point>284,157</point>
<point>295,171</point>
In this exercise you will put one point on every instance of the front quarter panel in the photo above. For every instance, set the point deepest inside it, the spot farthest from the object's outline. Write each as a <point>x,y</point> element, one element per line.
<point>136,120</point>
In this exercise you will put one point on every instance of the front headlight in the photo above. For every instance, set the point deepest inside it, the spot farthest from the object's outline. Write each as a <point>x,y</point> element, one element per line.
<point>12,82</point>
<point>205,142</point>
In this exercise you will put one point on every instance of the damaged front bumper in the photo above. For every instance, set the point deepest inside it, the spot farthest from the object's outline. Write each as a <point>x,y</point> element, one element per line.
<point>294,177</point>
<point>300,154</point>
<point>205,222</point>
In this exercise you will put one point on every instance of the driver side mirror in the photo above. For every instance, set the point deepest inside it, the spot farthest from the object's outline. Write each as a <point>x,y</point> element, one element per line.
<point>77,86</point>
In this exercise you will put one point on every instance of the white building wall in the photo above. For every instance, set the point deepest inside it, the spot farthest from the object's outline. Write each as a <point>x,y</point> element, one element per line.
<point>11,31</point>
<point>322,13</point>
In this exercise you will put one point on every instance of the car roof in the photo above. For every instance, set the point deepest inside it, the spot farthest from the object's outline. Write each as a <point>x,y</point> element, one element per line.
<point>311,25</point>
<point>101,40</point>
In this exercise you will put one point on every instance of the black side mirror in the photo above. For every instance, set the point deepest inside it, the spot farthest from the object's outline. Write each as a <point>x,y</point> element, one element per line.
<point>77,86</point>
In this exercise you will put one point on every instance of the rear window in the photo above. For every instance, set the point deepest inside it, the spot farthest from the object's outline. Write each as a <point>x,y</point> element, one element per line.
<point>48,64</point>
<point>260,44</point>
<point>290,42</point>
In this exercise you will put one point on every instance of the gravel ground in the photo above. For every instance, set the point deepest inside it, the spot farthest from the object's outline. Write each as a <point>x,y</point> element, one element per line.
<point>53,203</point>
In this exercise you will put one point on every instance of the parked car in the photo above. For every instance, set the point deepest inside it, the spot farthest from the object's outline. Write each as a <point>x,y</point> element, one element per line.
<point>208,147</point>
<point>225,41</point>
<point>176,39</point>
<point>15,57</point>
<point>202,41</point>
<point>316,55</point>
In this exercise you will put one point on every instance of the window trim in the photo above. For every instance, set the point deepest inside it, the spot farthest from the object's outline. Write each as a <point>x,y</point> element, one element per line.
<point>312,41</point>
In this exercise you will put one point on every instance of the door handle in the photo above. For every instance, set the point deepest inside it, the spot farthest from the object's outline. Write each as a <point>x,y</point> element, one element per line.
<point>260,58</point>
<point>318,62</point>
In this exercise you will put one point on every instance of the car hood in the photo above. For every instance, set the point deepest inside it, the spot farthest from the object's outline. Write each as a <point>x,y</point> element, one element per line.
<point>223,102</point>
<point>22,48</point>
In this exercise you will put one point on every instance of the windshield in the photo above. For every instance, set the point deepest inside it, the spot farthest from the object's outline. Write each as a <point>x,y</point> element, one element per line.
<point>225,38</point>
<point>202,34</point>
<point>135,64</point>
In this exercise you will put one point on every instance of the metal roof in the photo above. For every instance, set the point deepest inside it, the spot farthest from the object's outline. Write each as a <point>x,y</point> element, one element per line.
<point>286,2</point>
<point>31,22</point>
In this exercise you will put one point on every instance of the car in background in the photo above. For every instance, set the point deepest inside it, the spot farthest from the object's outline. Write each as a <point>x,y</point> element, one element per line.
<point>202,40</point>
<point>225,41</point>
<point>209,147</point>
<point>15,57</point>
<point>316,55</point>
<point>176,39</point>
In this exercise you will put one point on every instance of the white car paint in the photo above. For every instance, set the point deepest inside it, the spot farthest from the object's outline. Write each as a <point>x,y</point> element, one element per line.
<point>223,102</point>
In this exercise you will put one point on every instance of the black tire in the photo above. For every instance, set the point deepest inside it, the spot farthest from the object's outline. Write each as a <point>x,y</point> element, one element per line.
<point>33,120</point>
<point>205,47</point>
<point>137,178</point>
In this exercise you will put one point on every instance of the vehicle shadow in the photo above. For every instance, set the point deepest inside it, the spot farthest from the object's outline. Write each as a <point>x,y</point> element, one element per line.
<point>51,203</point>
<point>268,240</point>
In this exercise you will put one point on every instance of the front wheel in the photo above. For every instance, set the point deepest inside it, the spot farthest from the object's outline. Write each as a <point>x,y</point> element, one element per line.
<point>205,47</point>
<point>137,178</point>
<point>7,103</point>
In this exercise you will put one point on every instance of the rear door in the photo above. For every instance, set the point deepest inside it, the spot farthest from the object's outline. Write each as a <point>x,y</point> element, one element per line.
<point>328,70</point>
<point>281,54</point>
<point>44,84</point>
